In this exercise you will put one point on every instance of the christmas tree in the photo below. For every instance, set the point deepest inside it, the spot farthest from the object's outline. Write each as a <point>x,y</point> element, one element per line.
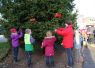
<point>39,15</point>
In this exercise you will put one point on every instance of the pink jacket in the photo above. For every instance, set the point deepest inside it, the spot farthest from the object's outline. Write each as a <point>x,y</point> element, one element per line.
<point>48,43</point>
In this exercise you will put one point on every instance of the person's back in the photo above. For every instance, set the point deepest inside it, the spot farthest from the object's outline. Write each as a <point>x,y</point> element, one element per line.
<point>48,43</point>
<point>77,40</point>
<point>68,38</point>
<point>15,43</point>
<point>15,38</point>
<point>68,41</point>
<point>78,47</point>
<point>28,46</point>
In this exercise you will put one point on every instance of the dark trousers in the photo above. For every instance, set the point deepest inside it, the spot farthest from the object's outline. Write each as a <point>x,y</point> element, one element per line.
<point>15,53</point>
<point>49,60</point>
<point>70,60</point>
<point>29,57</point>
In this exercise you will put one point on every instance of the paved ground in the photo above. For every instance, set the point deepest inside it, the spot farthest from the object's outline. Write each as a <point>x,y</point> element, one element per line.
<point>89,57</point>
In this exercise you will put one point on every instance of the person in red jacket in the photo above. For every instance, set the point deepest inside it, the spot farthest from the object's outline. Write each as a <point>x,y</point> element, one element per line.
<point>48,43</point>
<point>68,41</point>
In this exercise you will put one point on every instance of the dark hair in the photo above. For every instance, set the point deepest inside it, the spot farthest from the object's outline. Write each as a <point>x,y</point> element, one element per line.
<point>69,22</point>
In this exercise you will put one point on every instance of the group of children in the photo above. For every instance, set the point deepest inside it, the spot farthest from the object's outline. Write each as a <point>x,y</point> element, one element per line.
<point>48,43</point>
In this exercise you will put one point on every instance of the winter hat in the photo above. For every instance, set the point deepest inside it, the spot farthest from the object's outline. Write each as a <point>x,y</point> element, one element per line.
<point>13,30</point>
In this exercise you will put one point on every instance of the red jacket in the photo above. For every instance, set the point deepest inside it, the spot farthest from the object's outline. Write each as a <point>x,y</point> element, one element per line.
<point>68,36</point>
<point>48,43</point>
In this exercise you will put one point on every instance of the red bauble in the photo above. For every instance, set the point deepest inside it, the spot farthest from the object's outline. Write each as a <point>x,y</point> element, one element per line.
<point>58,15</point>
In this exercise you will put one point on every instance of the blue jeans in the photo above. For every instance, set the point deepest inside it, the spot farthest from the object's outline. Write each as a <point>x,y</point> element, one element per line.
<point>49,60</point>
<point>15,53</point>
<point>70,60</point>
<point>29,57</point>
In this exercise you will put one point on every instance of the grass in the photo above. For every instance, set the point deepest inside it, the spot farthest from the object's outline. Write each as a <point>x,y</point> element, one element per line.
<point>4,49</point>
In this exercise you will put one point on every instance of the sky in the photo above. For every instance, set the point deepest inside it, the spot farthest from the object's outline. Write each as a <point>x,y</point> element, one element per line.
<point>85,7</point>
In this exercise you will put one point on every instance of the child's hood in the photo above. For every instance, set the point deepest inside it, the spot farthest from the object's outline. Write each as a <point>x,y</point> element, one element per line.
<point>50,37</point>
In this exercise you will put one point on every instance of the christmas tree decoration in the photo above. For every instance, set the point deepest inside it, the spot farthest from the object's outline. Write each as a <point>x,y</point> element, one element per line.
<point>58,15</point>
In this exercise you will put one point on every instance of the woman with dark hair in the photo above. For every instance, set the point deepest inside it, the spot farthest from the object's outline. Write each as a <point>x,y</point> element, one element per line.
<point>68,41</point>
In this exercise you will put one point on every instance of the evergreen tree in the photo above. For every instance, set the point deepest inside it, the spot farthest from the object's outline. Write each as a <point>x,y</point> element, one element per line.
<point>39,15</point>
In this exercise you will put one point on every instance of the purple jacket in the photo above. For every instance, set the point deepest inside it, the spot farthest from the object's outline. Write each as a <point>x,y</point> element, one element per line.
<point>48,43</point>
<point>15,39</point>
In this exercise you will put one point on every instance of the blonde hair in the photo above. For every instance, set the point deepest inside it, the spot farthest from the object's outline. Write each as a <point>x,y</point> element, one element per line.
<point>49,33</point>
<point>27,31</point>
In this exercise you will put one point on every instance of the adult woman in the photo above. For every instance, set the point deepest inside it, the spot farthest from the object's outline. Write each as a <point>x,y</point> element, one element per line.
<point>68,41</point>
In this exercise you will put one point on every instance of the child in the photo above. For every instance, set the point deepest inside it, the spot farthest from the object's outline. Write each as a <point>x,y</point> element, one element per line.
<point>28,46</point>
<point>48,43</point>
<point>85,37</point>
<point>77,46</point>
<point>15,42</point>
